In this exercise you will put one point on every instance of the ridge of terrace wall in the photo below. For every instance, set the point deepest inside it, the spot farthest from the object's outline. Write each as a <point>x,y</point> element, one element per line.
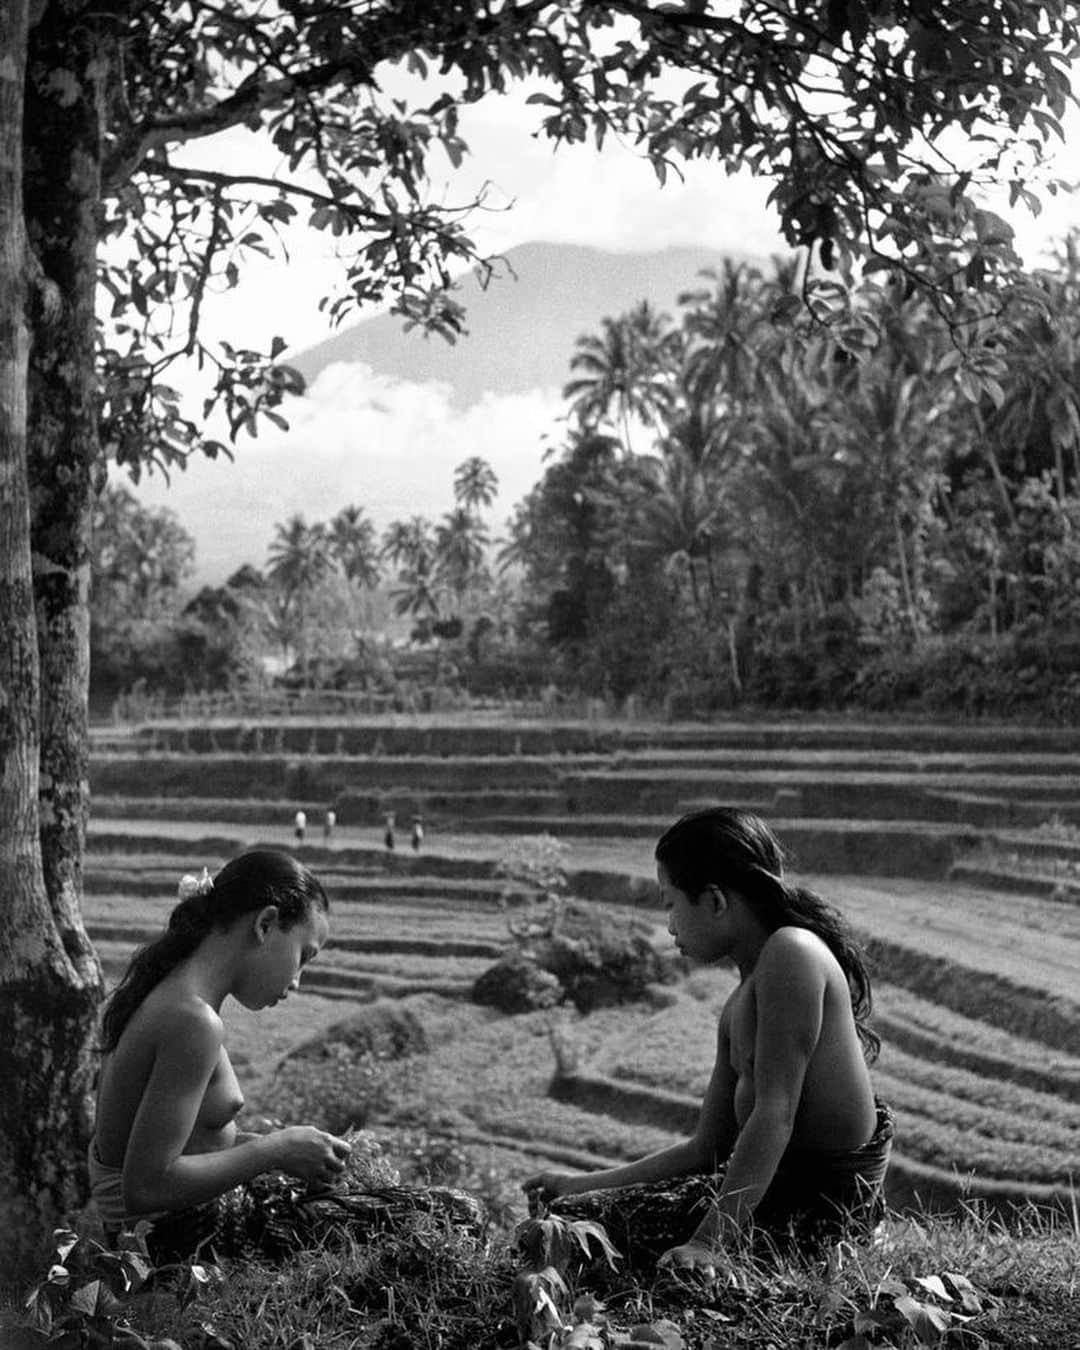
<point>909,1180</point>
<point>1010,1004</point>
<point>957,801</point>
<point>619,780</point>
<point>386,736</point>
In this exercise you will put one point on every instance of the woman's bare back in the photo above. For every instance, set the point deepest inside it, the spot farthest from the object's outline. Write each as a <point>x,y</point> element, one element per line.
<point>836,1105</point>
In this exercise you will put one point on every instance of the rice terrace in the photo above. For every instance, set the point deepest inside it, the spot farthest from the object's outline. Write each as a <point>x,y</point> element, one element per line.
<point>954,849</point>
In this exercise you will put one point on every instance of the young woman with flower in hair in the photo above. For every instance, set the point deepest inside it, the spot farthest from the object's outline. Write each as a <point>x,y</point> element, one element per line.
<point>790,1141</point>
<point>166,1147</point>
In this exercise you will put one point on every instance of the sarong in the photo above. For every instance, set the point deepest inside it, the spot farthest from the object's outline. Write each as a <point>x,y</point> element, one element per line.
<point>816,1197</point>
<point>107,1193</point>
<point>272,1216</point>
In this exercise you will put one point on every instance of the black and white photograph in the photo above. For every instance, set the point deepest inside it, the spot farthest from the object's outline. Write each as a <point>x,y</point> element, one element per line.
<point>540,674</point>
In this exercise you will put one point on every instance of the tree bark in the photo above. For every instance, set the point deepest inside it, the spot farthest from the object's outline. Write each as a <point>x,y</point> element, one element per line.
<point>63,201</point>
<point>50,979</point>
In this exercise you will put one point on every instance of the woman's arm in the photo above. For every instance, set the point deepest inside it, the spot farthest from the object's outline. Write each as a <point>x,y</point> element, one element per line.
<point>706,1147</point>
<point>157,1174</point>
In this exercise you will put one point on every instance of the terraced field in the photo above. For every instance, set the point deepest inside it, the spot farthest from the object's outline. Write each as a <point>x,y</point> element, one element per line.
<point>929,838</point>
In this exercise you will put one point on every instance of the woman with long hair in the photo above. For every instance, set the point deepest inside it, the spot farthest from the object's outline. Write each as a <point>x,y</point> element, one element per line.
<point>790,1141</point>
<point>166,1147</point>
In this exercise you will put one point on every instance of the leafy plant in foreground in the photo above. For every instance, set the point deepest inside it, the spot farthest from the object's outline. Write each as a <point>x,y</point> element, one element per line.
<point>81,1301</point>
<point>922,1310</point>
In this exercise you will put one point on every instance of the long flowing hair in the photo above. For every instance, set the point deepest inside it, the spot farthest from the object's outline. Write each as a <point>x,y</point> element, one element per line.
<point>725,846</point>
<point>248,883</point>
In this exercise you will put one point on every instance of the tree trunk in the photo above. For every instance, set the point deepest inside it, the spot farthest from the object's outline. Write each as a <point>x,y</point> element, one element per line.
<point>905,580</point>
<point>63,201</point>
<point>746,618</point>
<point>50,979</point>
<point>21,886</point>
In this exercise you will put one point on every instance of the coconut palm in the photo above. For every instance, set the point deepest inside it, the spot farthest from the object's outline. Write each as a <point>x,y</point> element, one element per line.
<point>297,560</point>
<point>298,556</point>
<point>461,541</point>
<point>475,483</point>
<point>353,544</point>
<point>408,544</point>
<point>626,369</point>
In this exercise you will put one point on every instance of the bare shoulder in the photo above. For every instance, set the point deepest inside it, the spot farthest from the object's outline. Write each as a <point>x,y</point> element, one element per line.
<point>182,1023</point>
<point>790,951</point>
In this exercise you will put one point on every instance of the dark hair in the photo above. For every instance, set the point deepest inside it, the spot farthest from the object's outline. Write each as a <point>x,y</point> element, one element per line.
<point>260,877</point>
<point>725,846</point>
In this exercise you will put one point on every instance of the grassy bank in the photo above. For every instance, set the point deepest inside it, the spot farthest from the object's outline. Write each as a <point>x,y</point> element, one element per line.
<point>970,1280</point>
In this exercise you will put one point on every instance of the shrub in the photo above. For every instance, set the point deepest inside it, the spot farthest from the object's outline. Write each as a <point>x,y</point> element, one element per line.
<point>383,1030</point>
<point>516,984</point>
<point>601,959</point>
<point>335,1080</point>
<point>1029,671</point>
<point>597,959</point>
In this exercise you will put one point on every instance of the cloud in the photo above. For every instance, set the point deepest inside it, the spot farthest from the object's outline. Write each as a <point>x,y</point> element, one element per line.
<point>359,437</point>
<point>607,198</point>
<point>391,445</point>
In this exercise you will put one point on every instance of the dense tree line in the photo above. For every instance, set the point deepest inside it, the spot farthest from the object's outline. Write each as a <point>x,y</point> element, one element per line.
<point>332,597</point>
<point>746,511</point>
<point>813,522</point>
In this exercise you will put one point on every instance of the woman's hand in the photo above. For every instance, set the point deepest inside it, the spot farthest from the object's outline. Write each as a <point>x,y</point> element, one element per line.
<point>696,1258</point>
<point>312,1155</point>
<point>543,1187</point>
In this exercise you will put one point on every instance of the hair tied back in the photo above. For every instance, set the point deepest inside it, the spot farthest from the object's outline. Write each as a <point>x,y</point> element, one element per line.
<point>192,886</point>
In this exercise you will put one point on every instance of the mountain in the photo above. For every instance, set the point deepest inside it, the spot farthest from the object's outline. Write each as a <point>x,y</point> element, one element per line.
<point>522,325</point>
<point>388,414</point>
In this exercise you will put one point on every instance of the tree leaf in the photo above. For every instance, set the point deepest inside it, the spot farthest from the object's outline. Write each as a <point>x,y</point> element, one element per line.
<point>85,1300</point>
<point>928,1323</point>
<point>933,1284</point>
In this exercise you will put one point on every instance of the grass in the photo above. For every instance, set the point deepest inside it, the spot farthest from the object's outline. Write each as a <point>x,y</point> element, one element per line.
<point>953,1115</point>
<point>455,1114</point>
<point>1026,1113</point>
<point>949,1117</point>
<point>933,1032</point>
<point>1019,939</point>
<point>970,1281</point>
<point>973,967</point>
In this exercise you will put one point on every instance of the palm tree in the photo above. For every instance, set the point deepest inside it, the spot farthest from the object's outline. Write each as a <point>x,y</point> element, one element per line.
<point>416,594</point>
<point>408,543</point>
<point>352,543</point>
<point>1038,417</point>
<point>297,560</point>
<point>475,483</point>
<point>461,541</point>
<point>731,333</point>
<point>297,556</point>
<point>409,546</point>
<point>626,367</point>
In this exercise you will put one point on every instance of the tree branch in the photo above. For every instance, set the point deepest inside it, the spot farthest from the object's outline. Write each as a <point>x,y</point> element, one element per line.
<point>252,97</point>
<point>175,173</point>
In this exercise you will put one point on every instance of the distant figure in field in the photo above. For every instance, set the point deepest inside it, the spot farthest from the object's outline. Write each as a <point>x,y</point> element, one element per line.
<point>791,1140</point>
<point>388,834</point>
<point>417,833</point>
<point>300,826</point>
<point>165,1145</point>
<point>328,825</point>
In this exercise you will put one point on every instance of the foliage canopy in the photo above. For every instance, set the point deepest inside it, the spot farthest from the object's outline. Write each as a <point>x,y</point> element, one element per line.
<point>880,121</point>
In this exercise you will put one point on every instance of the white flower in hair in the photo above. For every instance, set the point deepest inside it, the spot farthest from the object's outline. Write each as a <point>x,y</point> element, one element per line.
<point>191,885</point>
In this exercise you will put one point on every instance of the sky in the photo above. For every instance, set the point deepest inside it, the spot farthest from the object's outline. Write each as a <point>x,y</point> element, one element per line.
<point>362,437</point>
